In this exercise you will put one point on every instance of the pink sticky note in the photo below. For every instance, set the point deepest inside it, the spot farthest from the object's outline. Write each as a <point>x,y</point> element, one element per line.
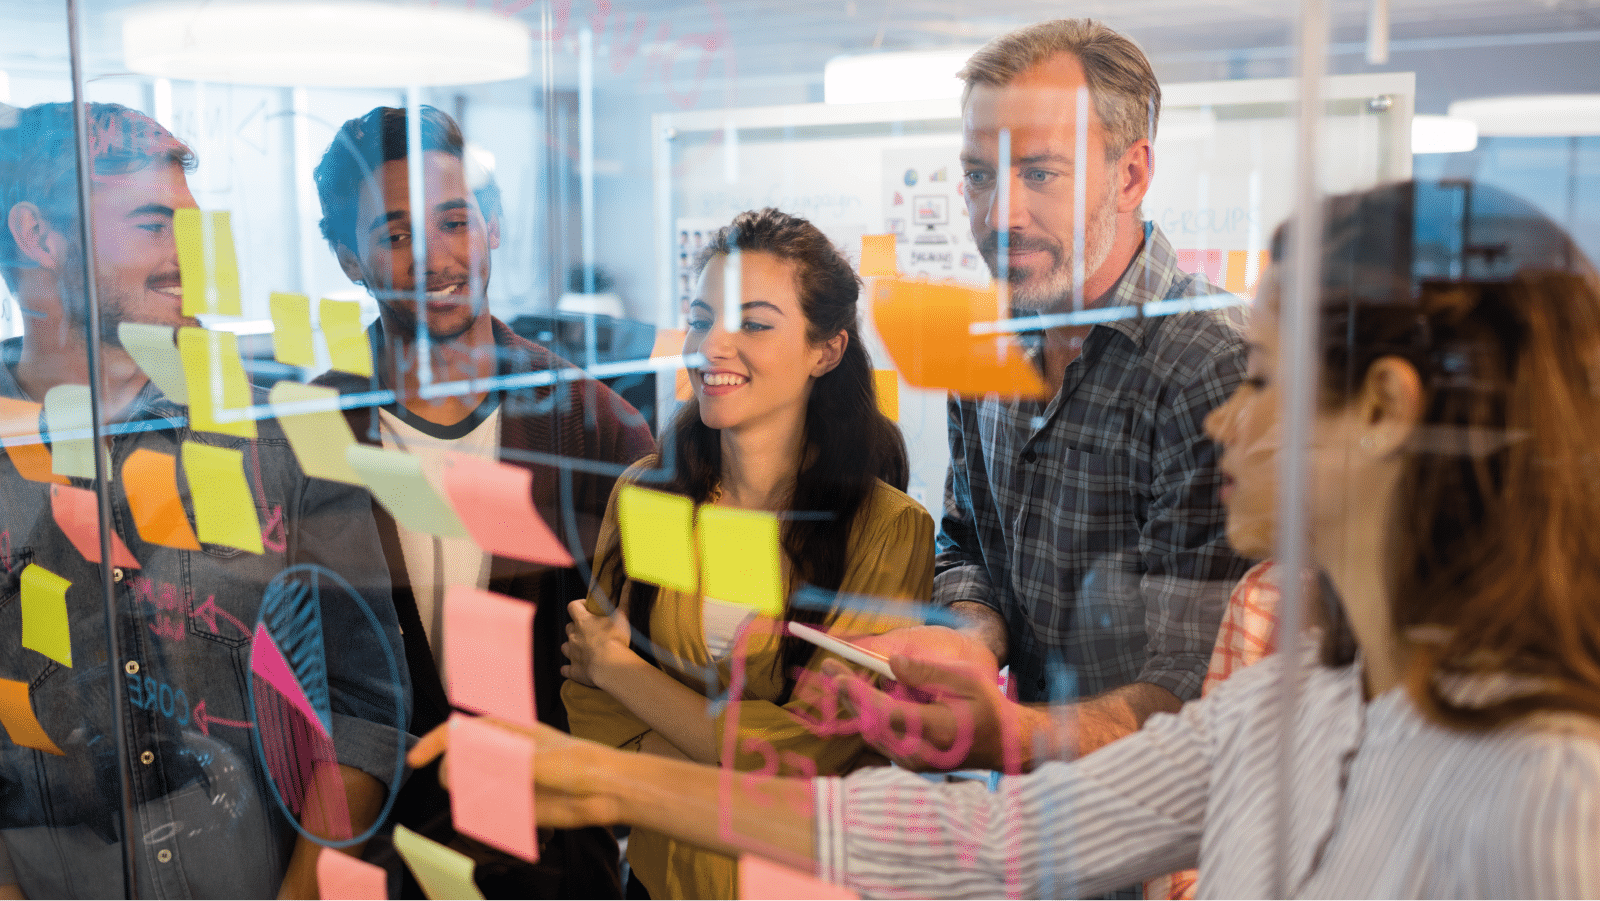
<point>341,876</point>
<point>488,653</point>
<point>495,502</point>
<point>77,513</point>
<point>491,786</point>
<point>760,878</point>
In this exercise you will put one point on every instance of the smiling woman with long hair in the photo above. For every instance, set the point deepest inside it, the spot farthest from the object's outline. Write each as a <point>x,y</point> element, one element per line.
<point>784,419</point>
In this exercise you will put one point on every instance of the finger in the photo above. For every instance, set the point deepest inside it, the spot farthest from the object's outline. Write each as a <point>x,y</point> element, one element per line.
<point>951,676</point>
<point>429,747</point>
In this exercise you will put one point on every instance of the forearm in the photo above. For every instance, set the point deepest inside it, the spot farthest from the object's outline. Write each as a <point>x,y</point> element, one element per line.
<point>676,713</point>
<point>1103,719</point>
<point>722,810</point>
<point>983,624</point>
<point>364,797</point>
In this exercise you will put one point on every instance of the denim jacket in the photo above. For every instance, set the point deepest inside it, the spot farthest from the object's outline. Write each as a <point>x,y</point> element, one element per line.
<point>208,795</point>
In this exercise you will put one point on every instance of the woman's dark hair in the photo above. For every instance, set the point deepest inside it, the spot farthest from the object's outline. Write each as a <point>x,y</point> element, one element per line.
<point>1496,563</point>
<point>848,444</point>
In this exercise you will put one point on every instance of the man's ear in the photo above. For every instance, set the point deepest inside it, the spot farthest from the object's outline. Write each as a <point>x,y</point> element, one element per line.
<point>493,228</point>
<point>1134,170</point>
<point>1390,405</point>
<point>36,238</point>
<point>351,264</point>
<point>832,352</point>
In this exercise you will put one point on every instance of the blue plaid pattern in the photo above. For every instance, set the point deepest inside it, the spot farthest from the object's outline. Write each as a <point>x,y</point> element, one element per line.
<point>1091,523</point>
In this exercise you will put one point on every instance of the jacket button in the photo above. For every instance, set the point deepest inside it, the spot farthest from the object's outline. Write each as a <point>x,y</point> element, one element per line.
<point>116,574</point>
<point>1028,456</point>
<point>131,667</point>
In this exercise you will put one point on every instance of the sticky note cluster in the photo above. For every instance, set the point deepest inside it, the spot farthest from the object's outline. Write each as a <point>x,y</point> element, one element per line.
<point>739,550</point>
<point>927,329</point>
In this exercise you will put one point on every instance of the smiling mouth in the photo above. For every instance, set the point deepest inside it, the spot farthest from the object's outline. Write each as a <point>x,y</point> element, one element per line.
<point>721,379</point>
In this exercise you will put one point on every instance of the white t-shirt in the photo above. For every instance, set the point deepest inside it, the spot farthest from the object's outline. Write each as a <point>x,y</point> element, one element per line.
<point>433,564</point>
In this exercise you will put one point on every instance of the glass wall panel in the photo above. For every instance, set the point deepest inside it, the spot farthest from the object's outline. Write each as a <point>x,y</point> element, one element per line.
<point>376,366</point>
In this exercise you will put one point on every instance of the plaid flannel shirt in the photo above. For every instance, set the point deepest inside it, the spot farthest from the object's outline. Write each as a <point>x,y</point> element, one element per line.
<point>1092,524</point>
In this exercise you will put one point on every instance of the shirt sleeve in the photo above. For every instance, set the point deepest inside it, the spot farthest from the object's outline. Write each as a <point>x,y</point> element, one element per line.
<point>1131,810</point>
<point>959,570</point>
<point>1188,567</point>
<point>892,560</point>
<point>368,681</point>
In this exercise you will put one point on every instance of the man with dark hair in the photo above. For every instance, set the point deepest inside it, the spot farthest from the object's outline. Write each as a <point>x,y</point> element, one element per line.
<point>1082,540</point>
<point>559,428</point>
<point>210,816</point>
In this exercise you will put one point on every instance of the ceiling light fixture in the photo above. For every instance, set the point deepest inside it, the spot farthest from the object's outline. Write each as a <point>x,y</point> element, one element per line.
<point>1443,134</point>
<point>1532,116</point>
<point>335,44</point>
<point>883,77</point>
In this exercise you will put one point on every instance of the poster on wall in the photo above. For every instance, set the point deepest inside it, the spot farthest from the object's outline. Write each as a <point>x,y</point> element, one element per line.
<point>924,208</point>
<point>692,234</point>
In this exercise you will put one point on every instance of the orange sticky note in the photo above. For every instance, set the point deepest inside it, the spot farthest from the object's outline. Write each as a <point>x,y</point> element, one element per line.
<point>224,508</point>
<point>491,786</point>
<point>877,256</point>
<point>150,480</point>
<point>16,714</point>
<point>658,537</point>
<point>669,343</point>
<point>739,553</point>
<point>761,879</point>
<point>341,876</point>
<point>207,263</point>
<point>887,384</point>
<point>488,653</point>
<point>77,512</point>
<point>19,432</point>
<point>291,329</point>
<point>495,503</point>
<point>348,348</point>
<point>218,389</point>
<point>45,627</point>
<point>927,329</point>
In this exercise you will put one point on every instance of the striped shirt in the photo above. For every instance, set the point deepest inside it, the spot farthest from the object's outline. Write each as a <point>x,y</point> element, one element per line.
<point>1091,524</point>
<point>1385,804</point>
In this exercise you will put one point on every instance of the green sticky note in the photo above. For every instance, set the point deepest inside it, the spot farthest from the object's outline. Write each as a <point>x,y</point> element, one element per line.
<point>44,614</point>
<point>152,347</point>
<point>348,349</point>
<point>70,419</point>
<point>442,872</point>
<point>291,330</point>
<point>319,436</point>
<point>219,393</point>
<point>657,537</point>
<point>739,558</point>
<point>224,508</point>
<point>396,479</point>
<point>207,263</point>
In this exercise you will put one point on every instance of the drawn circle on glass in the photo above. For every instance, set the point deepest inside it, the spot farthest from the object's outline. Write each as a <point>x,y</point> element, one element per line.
<point>291,703</point>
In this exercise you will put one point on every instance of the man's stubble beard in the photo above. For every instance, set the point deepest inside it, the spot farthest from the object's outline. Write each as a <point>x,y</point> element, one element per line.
<point>1032,291</point>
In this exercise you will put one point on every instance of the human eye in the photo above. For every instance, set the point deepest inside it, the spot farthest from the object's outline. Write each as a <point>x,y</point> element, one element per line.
<point>753,326</point>
<point>699,323</point>
<point>978,178</point>
<point>155,226</point>
<point>396,238</point>
<point>1038,176</point>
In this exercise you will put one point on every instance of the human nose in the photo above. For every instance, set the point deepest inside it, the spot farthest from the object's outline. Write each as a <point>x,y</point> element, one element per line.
<point>1008,207</point>
<point>717,343</point>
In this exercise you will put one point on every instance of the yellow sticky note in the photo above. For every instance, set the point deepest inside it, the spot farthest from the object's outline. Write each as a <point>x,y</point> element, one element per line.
<point>291,330</point>
<point>877,256</point>
<point>69,418</point>
<point>19,432</point>
<point>739,554</point>
<point>44,614</point>
<point>219,393</point>
<point>347,341</point>
<point>442,872</point>
<point>152,347</point>
<point>319,438</point>
<point>22,725</point>
<point>224,508</point>
<point>207,264</point>
<point>396,480</point>
<point>887,384</point>
<point>657,537</point>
